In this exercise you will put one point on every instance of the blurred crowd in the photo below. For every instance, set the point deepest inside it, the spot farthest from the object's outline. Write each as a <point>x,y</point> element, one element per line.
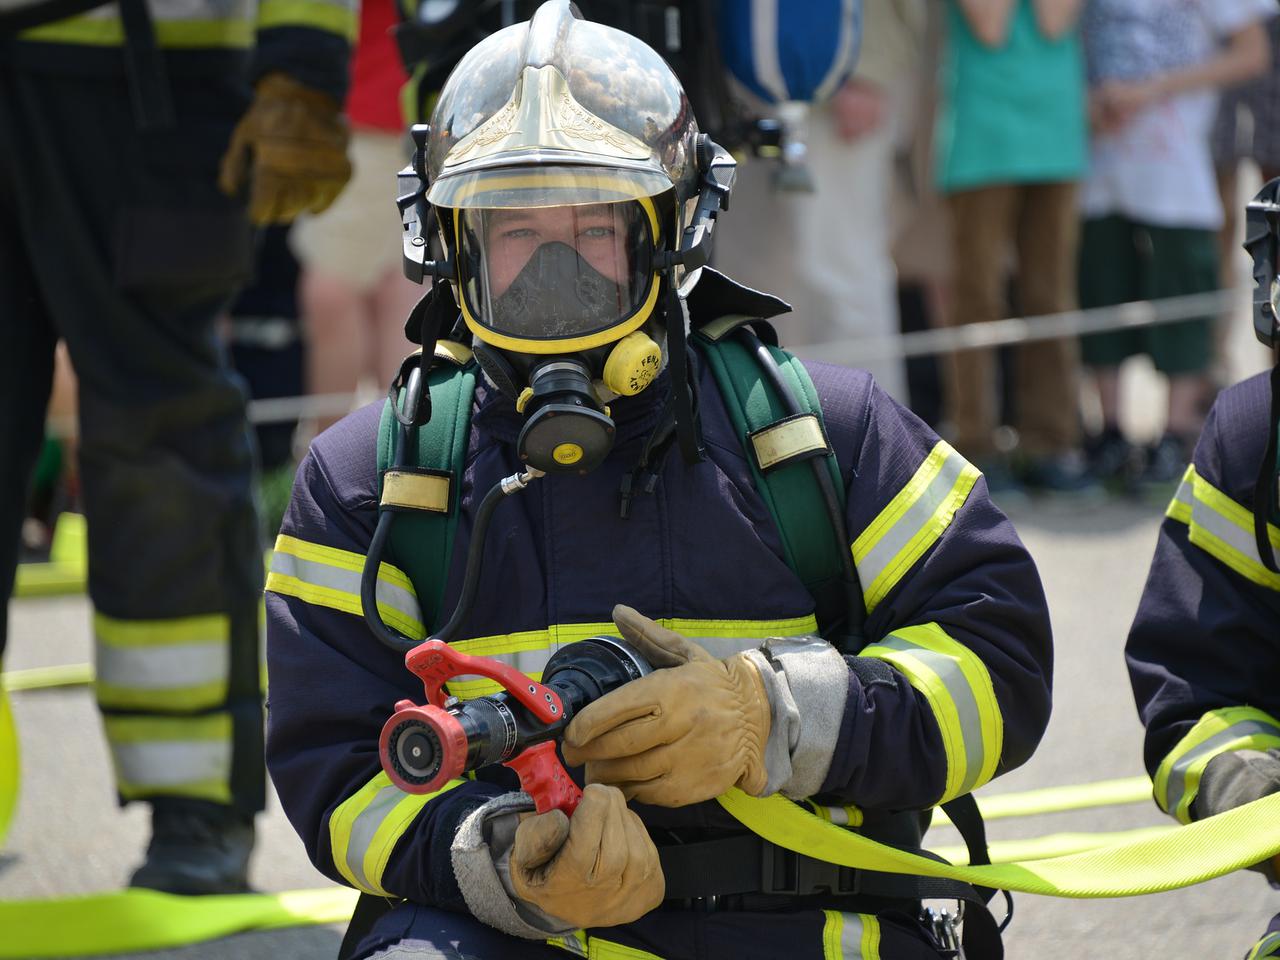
<point>986,159</point>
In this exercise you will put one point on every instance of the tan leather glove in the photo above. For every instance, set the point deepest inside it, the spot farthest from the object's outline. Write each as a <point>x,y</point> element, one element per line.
<point>680,735</point>
<point>596,869</point>
<point>291,148</point>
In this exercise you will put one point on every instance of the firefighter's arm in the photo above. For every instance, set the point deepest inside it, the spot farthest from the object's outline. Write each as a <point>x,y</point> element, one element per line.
<point>1201,652</point>
<point>288,153</point>
<point>332,686</point>
<point>953,684</point>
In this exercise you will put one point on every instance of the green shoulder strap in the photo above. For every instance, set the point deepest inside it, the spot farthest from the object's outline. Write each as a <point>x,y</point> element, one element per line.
<point>426,493</point>
<point>777,445</point>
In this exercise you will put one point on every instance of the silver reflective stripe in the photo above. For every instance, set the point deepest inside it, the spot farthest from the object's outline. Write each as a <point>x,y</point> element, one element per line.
<point>172,763</point>
<point>526,661</point>
<point>764,46</point>
<point>165,667</point>
<point>364,828</point>
<point>347,581</point>
<point>957,684</point>
<point>1177,785</point>
<point>851,936</point>
<point>1185,494</point>
<point>892,542</point>
<point>1211,521</point>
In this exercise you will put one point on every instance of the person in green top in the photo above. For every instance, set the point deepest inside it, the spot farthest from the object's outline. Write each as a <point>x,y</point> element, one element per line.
<point>1011,146</point>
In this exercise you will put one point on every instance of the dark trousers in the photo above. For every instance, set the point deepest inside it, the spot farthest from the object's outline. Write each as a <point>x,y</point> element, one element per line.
<point>118,241</point>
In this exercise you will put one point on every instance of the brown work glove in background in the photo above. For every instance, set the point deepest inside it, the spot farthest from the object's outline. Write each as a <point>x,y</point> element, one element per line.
<point>291,149</point>
<point>597,868</point>
<point>679,735</point>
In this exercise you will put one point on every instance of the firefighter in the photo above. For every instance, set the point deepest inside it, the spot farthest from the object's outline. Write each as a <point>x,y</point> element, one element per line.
<point>564,167</point>
<point>1203,652</point>
<point>119,124</point>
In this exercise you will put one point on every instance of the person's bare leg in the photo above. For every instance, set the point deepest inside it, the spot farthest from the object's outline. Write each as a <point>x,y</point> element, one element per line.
<point>1107,382</point>
<point>390,300</point>
<point>1186,391</point>
<point>334,321</point>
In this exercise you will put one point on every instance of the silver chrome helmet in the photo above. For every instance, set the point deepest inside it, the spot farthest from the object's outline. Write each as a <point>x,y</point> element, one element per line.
<point>560,112</point>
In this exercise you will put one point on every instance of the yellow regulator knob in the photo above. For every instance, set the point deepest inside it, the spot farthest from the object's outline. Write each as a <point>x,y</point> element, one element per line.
<point>567,453</point>
<point>632,364</point>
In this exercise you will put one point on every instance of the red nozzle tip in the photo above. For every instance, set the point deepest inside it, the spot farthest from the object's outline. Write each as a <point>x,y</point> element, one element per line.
<point>422,748</point>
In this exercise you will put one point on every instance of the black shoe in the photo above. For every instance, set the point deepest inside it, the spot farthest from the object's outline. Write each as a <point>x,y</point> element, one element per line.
<point>197,847</point>
<point>1166,461</point>
<point>1113,460</point>
<point>1064,472</point>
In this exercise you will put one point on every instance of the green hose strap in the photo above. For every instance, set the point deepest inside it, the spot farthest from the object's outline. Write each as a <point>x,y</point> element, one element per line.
<point>8,767</point>
<point>1149,864</point>
<point>132,921</point>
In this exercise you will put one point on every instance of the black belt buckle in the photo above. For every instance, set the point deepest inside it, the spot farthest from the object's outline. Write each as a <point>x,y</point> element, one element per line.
<point>787,873</point>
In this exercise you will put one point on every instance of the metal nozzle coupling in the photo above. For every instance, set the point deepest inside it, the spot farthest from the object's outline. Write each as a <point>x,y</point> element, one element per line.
<point>518,481</point>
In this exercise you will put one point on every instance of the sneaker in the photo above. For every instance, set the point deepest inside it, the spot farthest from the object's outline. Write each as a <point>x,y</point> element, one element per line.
<point>1167,461</point>
<point>1058,473</point>
<point>1113,460</point>
<point>196,848</point>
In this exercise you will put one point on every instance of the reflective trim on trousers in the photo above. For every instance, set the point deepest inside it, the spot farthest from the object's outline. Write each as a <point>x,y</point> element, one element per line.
<point>171,756</point>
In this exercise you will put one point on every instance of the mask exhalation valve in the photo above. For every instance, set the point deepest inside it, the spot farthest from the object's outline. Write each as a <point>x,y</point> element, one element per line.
<point>566,431</point>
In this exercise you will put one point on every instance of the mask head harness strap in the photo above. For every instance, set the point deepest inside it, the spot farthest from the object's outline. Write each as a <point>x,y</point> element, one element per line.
<point>717,170</point>
<point>1262,241</point>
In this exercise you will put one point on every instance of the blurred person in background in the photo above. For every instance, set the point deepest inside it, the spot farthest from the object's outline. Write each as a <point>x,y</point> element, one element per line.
<point>827,252</point>
<point>1011,146</point>
<point>354,296</point>
<point>138,143</point>
<point>1150,203</point>
<point>1247,129</point>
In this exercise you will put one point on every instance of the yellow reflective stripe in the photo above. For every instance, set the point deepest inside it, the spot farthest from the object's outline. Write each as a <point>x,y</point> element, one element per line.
<point>365,828</point>
<point>109,32</point>
<point>575,943</point>
<point>850,936</point>
<point>1222,528</point>
<point>329,577</point>
<point>530,650</point>
<point>417,491</point>
<point>336,18</point>
<point>788,439</point>
<point>199,696</point>
<point>958,687</point>
<point>182,756</point>
<point>912,522</point>
<point>599,949</point>
<point>1177,779</point>
<point>1268,946</point>
<point>157,633</point>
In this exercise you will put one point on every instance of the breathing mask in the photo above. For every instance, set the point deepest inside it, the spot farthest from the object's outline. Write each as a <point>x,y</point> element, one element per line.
<point>556,298</point>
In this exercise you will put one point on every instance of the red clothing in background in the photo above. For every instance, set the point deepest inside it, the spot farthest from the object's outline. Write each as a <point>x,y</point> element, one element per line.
<point>376,72</point>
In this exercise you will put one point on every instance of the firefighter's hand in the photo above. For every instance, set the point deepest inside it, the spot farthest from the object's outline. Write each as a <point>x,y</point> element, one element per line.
<point>680,735</point>
<point>1234,778</point>
<point>596,869</point>
<point>290,149</point>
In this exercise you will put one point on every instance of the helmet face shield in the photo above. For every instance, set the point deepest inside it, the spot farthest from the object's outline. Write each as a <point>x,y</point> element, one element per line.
<point>544,279</point>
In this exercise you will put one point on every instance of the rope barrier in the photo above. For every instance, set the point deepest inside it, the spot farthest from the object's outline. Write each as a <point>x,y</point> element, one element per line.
<point>1014,330</point>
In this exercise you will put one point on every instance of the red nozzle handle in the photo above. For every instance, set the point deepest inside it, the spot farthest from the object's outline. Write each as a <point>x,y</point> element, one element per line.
<point>544,778</point>
<point>436,663</point>
<point>422,748</point>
